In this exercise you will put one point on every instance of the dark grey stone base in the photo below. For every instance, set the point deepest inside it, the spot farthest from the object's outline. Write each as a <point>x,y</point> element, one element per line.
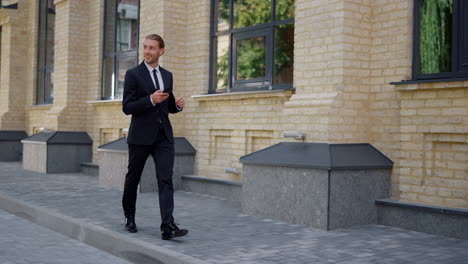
<point>90,169</point>
<point>67,158</point>
<point>314,197</point>
<point>353,194</point>
<point>113,164</point>
<point>230,190</point>
<point>444,221</point>
<point>113,168</point>
<point>57,151</point>
<point>11,150</point>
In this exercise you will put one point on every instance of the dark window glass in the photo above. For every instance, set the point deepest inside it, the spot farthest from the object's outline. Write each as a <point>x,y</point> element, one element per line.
<point>251,58</point>
<point>440,39</point>
<point>45,55</point>
<point>251,12</point>
<point>284,54</point>
<point>222,63</point>
<point>120,45</point>
<point>222,14</point>
<point>284,9</point>
<point>252,45</point>
<point>124,63</point>
<point>435,48</point>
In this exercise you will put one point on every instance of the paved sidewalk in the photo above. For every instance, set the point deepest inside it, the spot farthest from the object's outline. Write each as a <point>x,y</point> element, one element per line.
<point>219,232</point>
<point>22,242</point>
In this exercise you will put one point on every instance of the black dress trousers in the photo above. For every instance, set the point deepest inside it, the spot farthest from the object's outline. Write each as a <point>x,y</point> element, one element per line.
<point>162,151</point>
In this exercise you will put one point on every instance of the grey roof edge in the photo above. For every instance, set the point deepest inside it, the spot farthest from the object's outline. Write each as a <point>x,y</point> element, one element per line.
<point>423,207</point>
<point>326,163</point>
<point>279,164</point>
<point>243,158</point>
<point>383,155</point>
<point>184,149</point>
<point>105,146</point>
<point>120,145</point>
<point>12,135</point>
<point>61,138</point>
<point>87,138</point>
<point>41,137</point>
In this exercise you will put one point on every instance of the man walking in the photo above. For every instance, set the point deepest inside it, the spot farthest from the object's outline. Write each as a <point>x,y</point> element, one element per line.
<point>149,99</point>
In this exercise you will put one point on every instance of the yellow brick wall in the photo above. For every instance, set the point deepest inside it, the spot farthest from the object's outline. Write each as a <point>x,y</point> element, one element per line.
<point>13,69</point>
<point>331,71</point>
<point>434,143</point>
<point>422,127</point>
<point>391,60</point>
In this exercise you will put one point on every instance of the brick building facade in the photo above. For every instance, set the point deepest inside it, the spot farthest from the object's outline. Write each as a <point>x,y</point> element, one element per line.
<point>346,55</point>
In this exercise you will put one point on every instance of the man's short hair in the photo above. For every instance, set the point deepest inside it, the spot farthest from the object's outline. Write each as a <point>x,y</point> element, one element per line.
<point>158,38</point>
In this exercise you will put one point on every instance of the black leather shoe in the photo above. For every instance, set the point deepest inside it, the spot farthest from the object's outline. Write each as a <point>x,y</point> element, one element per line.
<point>172,230</point>
<point>130,224</point>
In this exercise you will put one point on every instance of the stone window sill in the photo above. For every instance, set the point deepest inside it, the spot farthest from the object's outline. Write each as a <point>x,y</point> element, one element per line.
<point>286,93</point>
<point>433,84</point>
<point>105,102</point>
<point>39,107</point>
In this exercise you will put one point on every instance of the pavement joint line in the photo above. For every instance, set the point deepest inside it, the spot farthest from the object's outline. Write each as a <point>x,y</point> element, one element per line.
<point>119,245</point>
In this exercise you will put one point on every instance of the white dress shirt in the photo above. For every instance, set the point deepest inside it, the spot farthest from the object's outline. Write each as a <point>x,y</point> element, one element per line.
<point>160,80</point>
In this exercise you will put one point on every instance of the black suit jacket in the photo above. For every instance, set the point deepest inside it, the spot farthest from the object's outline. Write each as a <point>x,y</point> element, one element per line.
<point>146,118</point>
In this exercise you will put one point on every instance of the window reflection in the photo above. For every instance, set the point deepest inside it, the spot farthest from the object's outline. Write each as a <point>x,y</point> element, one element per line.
<point>127,18</point>
<point>251,12</point>
<point>222,14</point>
<point>46,50</point>
<point>222,63</point>
<point>253,45</point>
<point>435,45</point>
<point>124,63</point>
<point>120,45</point>
<point>284,54</point>
<point>251,58</point>
<point>284,9</point>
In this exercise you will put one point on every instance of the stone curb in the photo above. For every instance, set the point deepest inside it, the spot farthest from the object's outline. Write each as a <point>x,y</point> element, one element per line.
<point>131,249</point>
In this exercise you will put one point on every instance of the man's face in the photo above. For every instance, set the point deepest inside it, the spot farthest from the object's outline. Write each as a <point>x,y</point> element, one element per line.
<point>151,51</point>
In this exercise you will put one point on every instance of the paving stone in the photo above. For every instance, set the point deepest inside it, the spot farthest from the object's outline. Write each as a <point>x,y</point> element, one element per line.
<point>23,242</point>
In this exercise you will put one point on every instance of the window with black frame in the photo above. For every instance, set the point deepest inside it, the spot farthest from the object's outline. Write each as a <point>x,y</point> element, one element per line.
<point>440,39</point>
<point>120,45</point>
<point>45,53</point>
<point>252,45</point>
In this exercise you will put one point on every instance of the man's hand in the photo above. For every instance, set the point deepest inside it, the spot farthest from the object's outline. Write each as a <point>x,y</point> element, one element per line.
<point>180,102</point>
<point>159,96</point>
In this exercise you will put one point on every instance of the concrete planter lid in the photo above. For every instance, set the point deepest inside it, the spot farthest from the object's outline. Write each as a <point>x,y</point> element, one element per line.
<point>320,156</point>
<point>60,137</point>
<point>6,135</point>
<point>181,146</point>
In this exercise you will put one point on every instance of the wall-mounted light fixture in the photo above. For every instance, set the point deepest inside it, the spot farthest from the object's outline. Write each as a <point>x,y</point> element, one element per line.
<point>231,170</point>
<point>294,134</point>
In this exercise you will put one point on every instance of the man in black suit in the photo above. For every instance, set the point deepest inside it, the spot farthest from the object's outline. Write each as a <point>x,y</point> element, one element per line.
<point>149,99</point>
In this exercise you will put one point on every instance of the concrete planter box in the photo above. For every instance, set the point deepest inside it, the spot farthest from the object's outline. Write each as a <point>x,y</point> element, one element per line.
<point>325,186</point>
<point>113,162</point>
<point>11,148</point>
<point>56,151</point>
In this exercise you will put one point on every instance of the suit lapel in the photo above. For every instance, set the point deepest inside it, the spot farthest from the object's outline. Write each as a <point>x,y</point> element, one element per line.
<point>146,76</point>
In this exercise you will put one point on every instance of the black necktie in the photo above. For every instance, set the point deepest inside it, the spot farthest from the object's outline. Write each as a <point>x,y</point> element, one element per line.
<point>156,79</point>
